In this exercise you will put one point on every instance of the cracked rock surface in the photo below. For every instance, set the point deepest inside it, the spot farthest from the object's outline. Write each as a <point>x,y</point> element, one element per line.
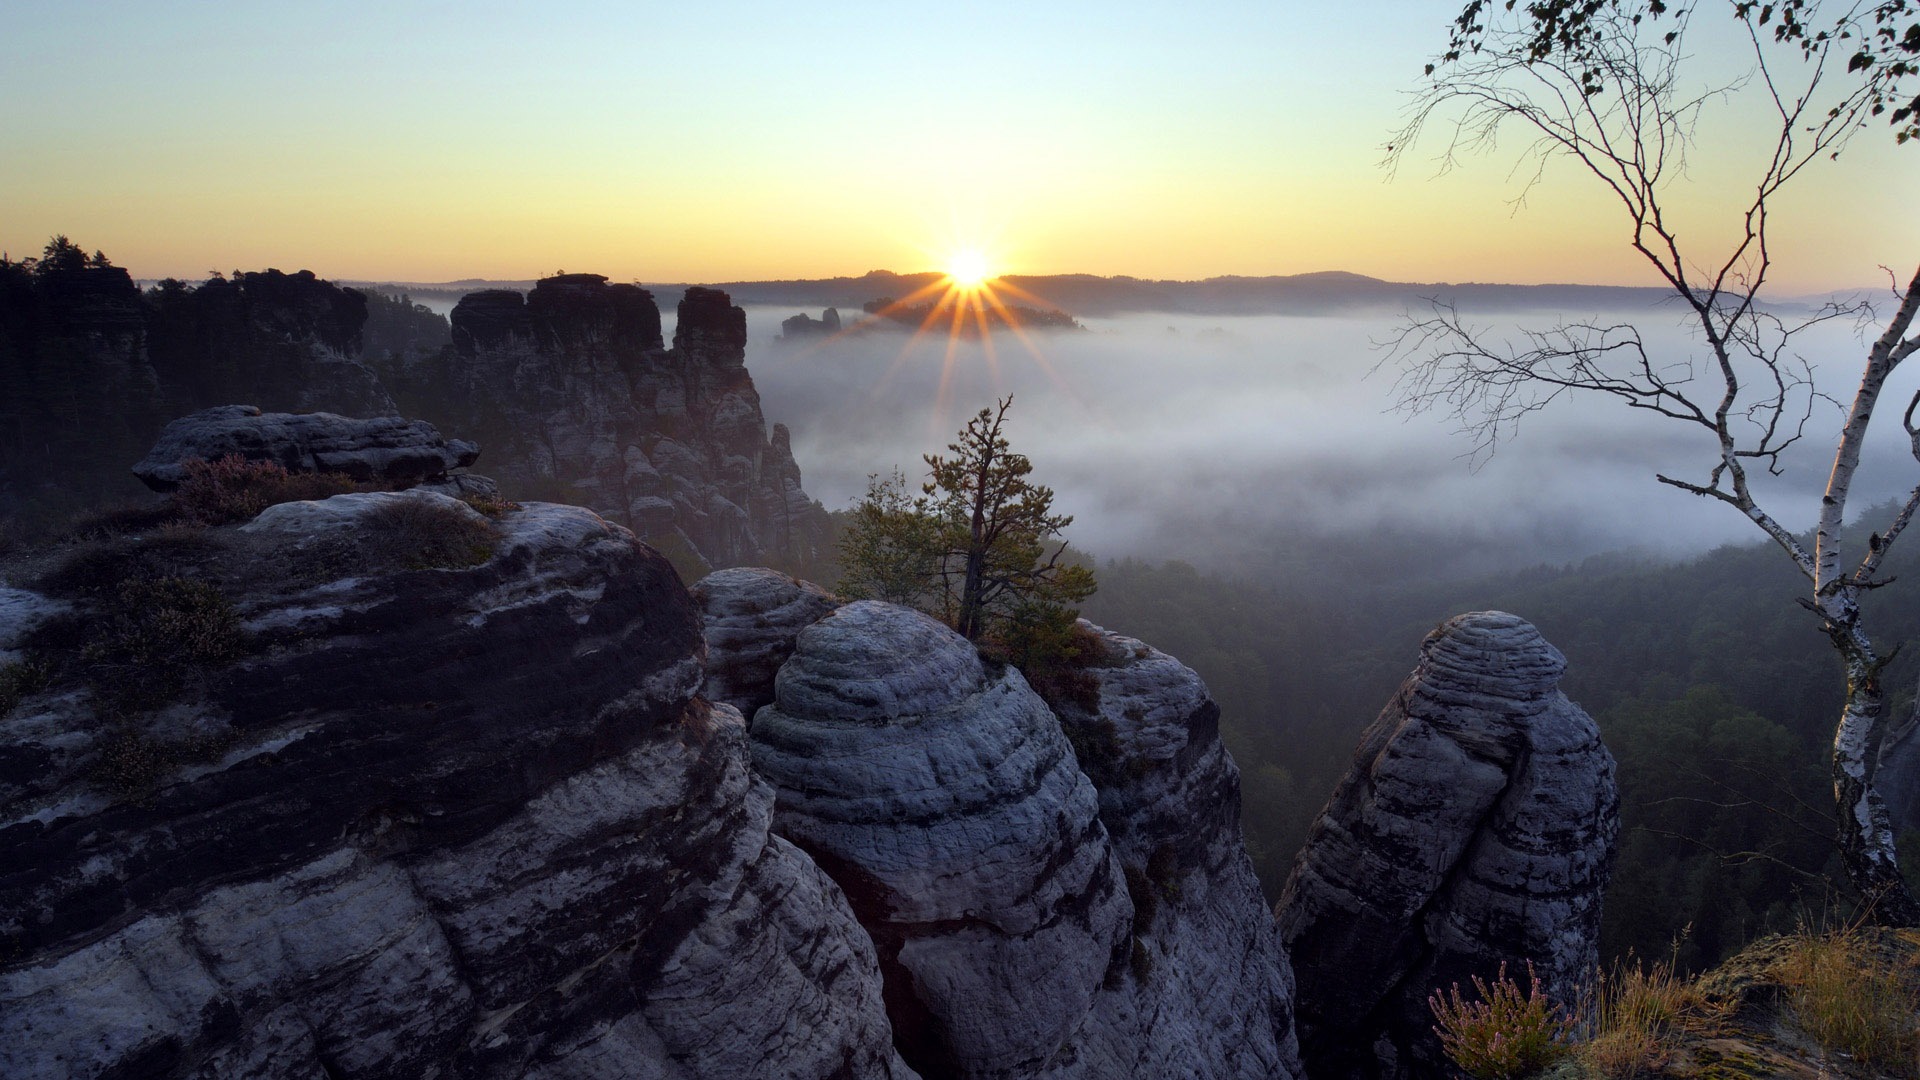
<point>1476,826</point>
<point>943,797</point>
<point>385,448</point>
<point>466,822</point>
<point>1208,992</point>
<point>752,616</point>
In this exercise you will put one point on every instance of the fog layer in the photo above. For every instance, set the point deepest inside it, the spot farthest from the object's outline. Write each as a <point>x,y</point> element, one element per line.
<point>1268,444</point>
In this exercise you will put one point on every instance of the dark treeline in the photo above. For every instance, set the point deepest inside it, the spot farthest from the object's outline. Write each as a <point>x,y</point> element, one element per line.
<point>91,366</point>
<point>1716,693</point>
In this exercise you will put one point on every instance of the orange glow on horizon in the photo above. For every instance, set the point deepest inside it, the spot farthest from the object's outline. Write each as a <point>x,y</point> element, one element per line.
<point>969,269</point>
<point>968,302</point>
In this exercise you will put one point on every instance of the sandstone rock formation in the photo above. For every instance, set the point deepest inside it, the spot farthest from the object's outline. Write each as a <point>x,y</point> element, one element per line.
<point>469,821</point>
<point>574,393</point>
<point>1476,826</point>
<point>1898,778</point>
<point>752,616</point>
<point>1017,938</point>
<point>287,342</point>
<point>91,368</point>
<point>385,448</point>
<point>804,325</point>
<point>943,798</point>
<point>22,611</point>
<point>1212,992</point>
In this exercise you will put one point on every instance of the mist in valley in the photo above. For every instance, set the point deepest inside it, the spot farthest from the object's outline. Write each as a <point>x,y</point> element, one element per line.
<point>1269,445</point>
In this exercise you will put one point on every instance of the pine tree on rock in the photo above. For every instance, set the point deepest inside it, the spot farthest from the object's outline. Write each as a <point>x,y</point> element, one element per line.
<point>977,547</point>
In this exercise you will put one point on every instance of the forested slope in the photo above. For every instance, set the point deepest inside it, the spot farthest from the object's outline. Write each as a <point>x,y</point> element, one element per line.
<point>1716,692</point>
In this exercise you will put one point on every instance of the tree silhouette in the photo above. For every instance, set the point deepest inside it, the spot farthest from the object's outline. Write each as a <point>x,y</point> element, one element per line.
<point>977,547</point>
<point>1598,83</point>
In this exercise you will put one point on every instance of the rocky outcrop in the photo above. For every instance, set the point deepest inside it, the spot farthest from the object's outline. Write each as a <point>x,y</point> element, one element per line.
<point>944,799</point>
<point>1898,778</point>
<point>752,616</point>
<point>91,368</point>
<point>804,325</point>
<point>22,611</point>
<point>1476,827</point>
<point>387,449</point>
<point>461,821</point>
<point>1017,936</point>
<point>287,342</point>
<point>575,387</point>
<point>1210,992</point>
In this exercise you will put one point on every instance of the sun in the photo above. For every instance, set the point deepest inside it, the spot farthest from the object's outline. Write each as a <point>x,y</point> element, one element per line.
<point>968,269</point>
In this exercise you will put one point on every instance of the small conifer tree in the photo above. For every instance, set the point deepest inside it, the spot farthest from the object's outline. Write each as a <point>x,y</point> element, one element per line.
<point>977,547</point>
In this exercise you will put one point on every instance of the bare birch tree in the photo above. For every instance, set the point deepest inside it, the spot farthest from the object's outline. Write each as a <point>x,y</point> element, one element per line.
<point>1609,95</point>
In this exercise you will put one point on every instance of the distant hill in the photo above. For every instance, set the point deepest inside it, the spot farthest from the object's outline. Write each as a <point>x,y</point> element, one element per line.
<point>1089,295</point>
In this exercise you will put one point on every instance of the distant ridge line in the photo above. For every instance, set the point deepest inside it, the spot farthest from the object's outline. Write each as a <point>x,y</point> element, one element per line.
<point>1317,292</point>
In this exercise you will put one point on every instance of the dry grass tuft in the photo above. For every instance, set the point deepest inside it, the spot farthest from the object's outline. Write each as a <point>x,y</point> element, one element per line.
<point>423,534</point>
<point>1854,1000</point>
<point>492,506</point>
<point>1634,1013</point>
<point>119,520</point>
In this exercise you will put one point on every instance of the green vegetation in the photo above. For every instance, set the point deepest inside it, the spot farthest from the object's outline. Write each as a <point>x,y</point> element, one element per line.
<point>96,568</point>
<point>233,489</point>
<point>132,760</point>
<point>1499,1032</point>
<point>1711,687</point>
<point>1589,86</point>
<point>976,548</point>
<point>153,637</point>
<point>19,680</point>
<point>75,402</point>
<point>421,534</point>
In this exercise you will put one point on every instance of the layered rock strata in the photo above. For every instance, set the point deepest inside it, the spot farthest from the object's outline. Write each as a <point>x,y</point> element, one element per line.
<point>389,449</point>
<point>752,616</point>
<point>575,386</point>
<point>459,822</point>
<point>1476,827</point>
<point>942,796</point>
<point>1210,992</point>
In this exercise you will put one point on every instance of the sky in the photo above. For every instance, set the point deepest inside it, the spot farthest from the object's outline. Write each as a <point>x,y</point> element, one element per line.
<point>741,141</point>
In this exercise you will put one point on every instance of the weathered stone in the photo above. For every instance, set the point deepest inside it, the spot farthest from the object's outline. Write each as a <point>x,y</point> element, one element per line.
<point>943,798</point>
<point>804,325</point>
<point>384,448</point>
<point>288,342</point>
<point>467,822</point>
<point>21,612</point>
<point>1476,827</point>
<point>752,616</point>
<point>1211,993</point>
<point>572,386</point>
<point>1898,777</point>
